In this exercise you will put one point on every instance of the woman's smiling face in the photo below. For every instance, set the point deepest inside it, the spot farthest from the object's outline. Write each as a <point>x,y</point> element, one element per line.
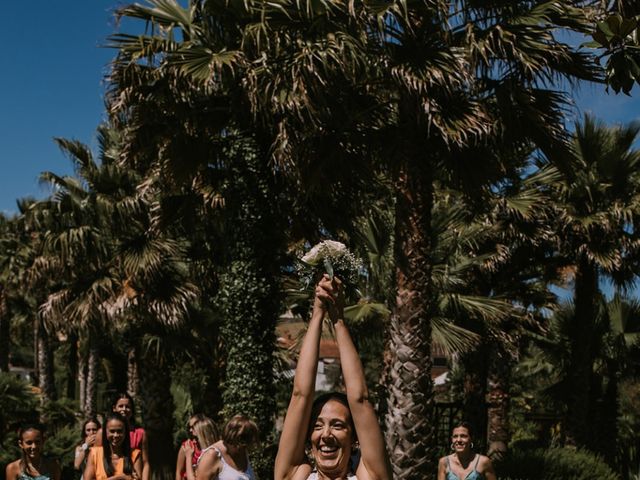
<point>460,439</point>
<point>31,442</point>
<point>123,407</point>
<point>332,438</point>
<point>115,432</point>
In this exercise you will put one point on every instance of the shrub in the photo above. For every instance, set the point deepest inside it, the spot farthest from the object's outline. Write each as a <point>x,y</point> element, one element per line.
<point>553,464</point>
<point>18,403</point>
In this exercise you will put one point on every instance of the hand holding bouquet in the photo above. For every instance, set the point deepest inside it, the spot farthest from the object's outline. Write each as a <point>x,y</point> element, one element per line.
<point>333,259</point>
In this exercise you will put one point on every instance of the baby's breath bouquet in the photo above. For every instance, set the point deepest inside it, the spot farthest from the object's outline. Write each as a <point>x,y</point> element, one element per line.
<point>332,258</point>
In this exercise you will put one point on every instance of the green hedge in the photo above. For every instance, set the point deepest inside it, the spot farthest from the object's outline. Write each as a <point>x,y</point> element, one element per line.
<point>553,464</point>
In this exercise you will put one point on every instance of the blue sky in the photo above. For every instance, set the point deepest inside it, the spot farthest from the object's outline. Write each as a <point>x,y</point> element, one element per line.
<point>52,86</point>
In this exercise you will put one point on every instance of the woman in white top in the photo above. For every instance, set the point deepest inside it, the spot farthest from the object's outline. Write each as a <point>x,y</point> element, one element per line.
<point>332,424</point>
<point>228,459</point>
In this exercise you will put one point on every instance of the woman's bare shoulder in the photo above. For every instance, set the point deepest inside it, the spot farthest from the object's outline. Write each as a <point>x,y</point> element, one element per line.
<point>13,470</point>
<point>484,462</point>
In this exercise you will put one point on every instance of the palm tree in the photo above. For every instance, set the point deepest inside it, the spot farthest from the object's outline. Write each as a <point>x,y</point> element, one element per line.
<point>122,275</point>
<point>328,85</point>
<point>6,244</point>
<point>597,215</point>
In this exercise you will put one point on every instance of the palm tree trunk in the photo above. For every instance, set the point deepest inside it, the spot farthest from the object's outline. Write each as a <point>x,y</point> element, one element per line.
<point>82,379</point>
<point>497,402</point>
<point>410,429</point>
<point>4,332</point>
<point>158,408</point>
<point>133,379</point>
<point>46,381</point>
<point>91,387</point>
<point>604,416</point>
<point>72,366</point>
<point>586,297</point>
<point>474,405</point>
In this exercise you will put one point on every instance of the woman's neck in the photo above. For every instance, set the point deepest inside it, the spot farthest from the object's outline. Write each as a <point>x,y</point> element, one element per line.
<point>33,464</point>
<point>465,457</point>
<point>117,451</point>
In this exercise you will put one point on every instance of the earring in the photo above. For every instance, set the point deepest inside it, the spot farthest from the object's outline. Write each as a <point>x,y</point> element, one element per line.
<point>471,445</point>
<point>356,445</point>
<point>453,447</point>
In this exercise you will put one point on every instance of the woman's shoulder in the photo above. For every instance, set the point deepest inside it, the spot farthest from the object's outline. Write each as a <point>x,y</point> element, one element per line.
<point>13,469</point>
<point>97,451</point>
<point>209,455</point>
<point>220,446</point>
<point>483,462</point>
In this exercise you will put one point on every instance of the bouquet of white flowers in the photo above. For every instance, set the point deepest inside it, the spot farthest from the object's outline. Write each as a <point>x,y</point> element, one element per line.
<point>332,258</point>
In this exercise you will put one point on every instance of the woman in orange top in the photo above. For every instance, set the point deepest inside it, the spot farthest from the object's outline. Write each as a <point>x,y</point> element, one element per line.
<point>115,459</point>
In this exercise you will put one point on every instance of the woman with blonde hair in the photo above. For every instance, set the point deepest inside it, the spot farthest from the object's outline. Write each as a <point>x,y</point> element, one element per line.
<point>204,434</point>
<point>228,458</point>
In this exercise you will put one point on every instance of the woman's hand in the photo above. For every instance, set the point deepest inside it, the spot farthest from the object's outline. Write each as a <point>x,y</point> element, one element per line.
<point>90,440</point>
<point>330,297</point>
<point>188,450</point>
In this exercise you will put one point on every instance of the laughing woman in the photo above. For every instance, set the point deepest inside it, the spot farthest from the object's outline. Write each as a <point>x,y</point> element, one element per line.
<point>114,459</point>
<point>332,425</point>
<point>32,465</point>
<point>464,463</point>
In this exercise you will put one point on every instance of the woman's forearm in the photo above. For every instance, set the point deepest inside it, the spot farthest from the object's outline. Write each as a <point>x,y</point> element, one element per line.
<point>191,474</point>
<point>305,377</point>
<point>80,455</point>
<point>352,370</point>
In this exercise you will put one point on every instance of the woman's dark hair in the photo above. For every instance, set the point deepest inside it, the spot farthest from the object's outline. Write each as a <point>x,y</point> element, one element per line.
<point>31,426</point>
<point>463,424</point>
<point>84,425</point>
<point>240,431</point>
<point>126,446</point>
<point>319,402</point>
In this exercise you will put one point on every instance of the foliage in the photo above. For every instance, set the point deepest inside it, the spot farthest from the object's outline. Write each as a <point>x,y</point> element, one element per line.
<point>19,405</point>
<point>17,402</point>
<point>249,293</point>
<point>59,413</point>
<point>619,37</point>
<point>61,444</point>
<point>552,464</point>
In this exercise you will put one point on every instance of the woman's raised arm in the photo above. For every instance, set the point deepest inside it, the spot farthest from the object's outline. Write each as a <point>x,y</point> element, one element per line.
<point>374,457</point>
<point>296,423</point>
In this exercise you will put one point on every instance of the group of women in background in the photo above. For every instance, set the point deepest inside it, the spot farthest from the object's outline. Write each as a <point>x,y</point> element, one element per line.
<point>335,436</point>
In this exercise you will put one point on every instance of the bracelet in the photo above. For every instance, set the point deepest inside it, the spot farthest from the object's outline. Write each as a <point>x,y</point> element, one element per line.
<point>85,447</point>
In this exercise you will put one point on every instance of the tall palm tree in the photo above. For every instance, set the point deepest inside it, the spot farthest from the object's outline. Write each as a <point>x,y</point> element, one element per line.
<point>597,215</point>
<point>329,85</point>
